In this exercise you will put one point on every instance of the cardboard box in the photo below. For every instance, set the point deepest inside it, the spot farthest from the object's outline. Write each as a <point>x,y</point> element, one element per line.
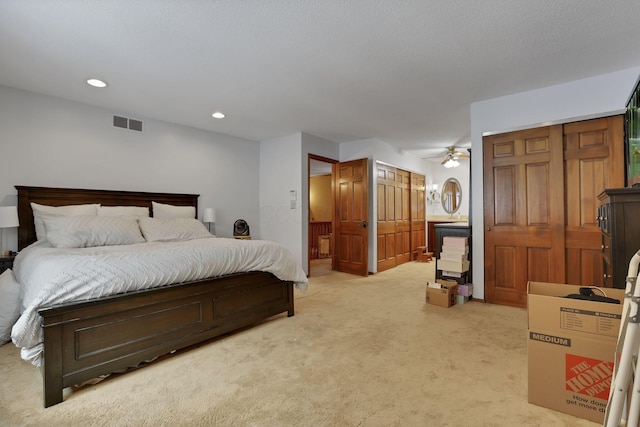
<point>571,345</point>
<point>455,241</point>
<point>445,296</point>
<point>465,290</point>
<point>455,266</point>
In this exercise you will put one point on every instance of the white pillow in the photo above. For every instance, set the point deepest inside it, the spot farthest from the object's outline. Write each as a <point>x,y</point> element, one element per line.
<point>160,210</point>
<point>172,229</point>
<point>9,304</point>
<point>42,211</point>
<point>137,211</point>
<point>90,231</point>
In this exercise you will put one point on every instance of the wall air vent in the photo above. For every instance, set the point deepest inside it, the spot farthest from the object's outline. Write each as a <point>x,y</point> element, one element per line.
<point>135,125</point>
<point>120,122</point>
<point>125,123</point>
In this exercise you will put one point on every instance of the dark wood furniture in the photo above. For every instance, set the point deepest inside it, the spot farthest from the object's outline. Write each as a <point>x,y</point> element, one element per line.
<point>6,262</point>
<point>431,233</point>
<point>318,230</point>
<point>456,229</point>
<point>68,196</point>
<point>84,340</point>
<point>619,221</point>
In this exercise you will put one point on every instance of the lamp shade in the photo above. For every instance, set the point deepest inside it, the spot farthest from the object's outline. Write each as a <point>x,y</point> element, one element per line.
<point>9,216</point>
<point>451,163</point>
<point>209,215</point>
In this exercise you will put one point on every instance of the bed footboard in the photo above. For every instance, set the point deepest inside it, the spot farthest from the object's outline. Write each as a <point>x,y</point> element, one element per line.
<point>92,338</point>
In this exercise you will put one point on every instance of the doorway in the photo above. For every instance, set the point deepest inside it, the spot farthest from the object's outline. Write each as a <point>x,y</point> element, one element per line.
<point>341,235</point>
<point>320,247</point>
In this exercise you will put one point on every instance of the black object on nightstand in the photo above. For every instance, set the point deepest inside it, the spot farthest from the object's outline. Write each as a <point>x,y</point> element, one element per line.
<point>6,262</point>
<point>241,229</point>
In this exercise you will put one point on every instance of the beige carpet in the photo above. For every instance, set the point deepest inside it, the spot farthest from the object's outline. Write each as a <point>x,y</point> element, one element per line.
<point>358,352</point>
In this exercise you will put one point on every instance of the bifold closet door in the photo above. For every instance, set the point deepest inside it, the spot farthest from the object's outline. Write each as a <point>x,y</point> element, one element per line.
<point>394,216</point>
<point>594,160</point>
<point>541,191</point>
<point>524,212</point>
<point>418,214</point>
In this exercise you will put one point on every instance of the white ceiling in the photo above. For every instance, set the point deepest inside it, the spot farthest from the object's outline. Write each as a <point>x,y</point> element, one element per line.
<point>404,72</point>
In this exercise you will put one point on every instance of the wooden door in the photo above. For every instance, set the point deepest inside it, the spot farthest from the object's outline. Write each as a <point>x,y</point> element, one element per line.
<point>394,216</point>
<point>403,216</point>
<point>386,217</point>
<point>418,219</point>
<point>594,160</point>
<point>351,216</point>
<point>524,212</point>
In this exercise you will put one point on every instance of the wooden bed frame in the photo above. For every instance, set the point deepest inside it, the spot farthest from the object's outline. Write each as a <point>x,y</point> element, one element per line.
<point>85,340</point>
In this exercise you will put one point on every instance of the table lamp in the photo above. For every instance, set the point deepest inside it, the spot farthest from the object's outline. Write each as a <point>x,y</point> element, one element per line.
<point>8,218</point>
<point>209,216</point>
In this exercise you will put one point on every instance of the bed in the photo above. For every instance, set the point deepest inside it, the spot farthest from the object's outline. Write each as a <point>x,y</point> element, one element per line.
<point>93,337</point>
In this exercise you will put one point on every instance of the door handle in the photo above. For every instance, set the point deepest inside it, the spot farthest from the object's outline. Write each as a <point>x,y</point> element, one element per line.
<point>488,228</point>
<point>364,224</point>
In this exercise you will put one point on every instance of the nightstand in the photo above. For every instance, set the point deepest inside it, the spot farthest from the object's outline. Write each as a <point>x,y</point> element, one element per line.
<point>6,262</point>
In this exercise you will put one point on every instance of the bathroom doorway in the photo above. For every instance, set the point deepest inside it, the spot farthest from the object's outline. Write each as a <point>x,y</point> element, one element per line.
<point>320,216</point>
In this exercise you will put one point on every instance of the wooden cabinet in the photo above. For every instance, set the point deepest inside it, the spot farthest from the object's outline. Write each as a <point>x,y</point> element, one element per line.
<point>619,222</point>
<point>319,239</point>
<point>456,229</point>
<point>431,234</point>
<point>431,231</point>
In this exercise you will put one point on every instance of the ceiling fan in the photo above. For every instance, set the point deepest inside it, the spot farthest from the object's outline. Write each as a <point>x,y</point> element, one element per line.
<point>451,157</point>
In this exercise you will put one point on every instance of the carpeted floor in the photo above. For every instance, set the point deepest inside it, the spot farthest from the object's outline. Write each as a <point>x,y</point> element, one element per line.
<point>358,352</point>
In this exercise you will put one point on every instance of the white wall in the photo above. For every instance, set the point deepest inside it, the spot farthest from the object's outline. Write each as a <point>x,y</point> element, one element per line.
<point>379,151</point>
<point>439,175</point>
<point>598,96</point>
<point>47,141</point>
<point>290,227</point>
<point>280,172</point>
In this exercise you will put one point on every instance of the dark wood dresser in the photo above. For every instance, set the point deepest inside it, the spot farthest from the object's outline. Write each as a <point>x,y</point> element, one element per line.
<point>6,262</point>
<point>619,221</point>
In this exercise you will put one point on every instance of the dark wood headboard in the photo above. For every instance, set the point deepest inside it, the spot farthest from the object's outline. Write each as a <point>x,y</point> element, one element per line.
<point>75,196</point>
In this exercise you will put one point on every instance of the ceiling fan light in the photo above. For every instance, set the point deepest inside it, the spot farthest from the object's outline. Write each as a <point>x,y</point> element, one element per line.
<point>451,163</point>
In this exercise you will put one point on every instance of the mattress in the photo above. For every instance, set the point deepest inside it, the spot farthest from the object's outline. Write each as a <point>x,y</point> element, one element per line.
<point>50,276</point>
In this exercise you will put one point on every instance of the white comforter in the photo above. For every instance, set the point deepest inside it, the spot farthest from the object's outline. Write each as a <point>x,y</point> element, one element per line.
<point>49,276</point>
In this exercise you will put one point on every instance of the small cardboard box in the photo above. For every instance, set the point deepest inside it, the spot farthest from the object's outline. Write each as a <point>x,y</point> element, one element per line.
<point>465,290</point>
<point>571,345</point>
<point>455,266</point>
<point>445,296</point>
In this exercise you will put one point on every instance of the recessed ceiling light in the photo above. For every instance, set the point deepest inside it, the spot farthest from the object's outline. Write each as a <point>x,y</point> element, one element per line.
<point>96,83</point>
<point>218,115</point>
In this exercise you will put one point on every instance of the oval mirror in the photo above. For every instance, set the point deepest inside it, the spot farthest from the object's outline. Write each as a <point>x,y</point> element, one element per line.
<point>451,196</point>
